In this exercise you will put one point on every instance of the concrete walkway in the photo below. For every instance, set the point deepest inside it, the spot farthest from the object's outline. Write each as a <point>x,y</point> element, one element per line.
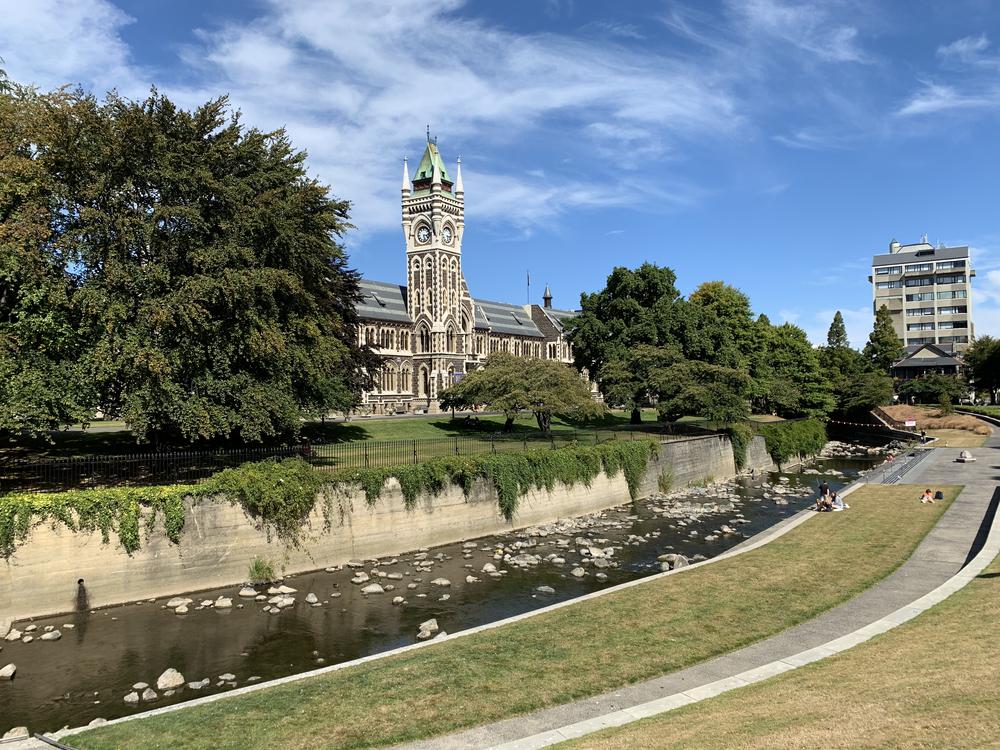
<point>943,552</point>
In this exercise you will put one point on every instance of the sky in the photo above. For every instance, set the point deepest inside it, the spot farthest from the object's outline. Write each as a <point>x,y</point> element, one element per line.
<point>772,145</point>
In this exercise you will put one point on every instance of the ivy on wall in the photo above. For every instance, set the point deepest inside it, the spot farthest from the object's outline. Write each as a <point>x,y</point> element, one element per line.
<point>280,495</point>
<point>786,440</point>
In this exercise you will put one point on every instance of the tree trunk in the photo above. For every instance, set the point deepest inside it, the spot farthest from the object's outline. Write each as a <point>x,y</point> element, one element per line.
<point>544,421</point>
<point>508,425</point>
<point>636,417</point>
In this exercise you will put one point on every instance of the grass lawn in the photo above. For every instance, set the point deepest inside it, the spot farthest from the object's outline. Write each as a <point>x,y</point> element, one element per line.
<point>957,439</point>
<point>931,683</point>
<point>567,654</point>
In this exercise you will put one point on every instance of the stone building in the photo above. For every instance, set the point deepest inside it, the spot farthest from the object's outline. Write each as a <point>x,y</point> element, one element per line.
<point>432,330</point>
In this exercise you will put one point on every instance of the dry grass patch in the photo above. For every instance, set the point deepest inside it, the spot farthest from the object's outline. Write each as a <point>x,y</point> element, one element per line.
<point>929,418</point>
<point>956,439</point>
<point>561,656</point>
<point>931,683</point>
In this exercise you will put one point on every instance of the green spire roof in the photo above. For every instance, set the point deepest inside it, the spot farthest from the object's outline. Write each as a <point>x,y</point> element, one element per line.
<point>425,171</point>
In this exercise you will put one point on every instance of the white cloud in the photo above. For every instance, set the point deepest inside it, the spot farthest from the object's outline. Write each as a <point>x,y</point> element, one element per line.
<point>935,98</point>
<point>807,26</point>
<point>968,50</point>
<point>52,43</point>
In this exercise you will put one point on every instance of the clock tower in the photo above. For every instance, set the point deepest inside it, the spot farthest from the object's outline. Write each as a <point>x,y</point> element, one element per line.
<point>438,298</point>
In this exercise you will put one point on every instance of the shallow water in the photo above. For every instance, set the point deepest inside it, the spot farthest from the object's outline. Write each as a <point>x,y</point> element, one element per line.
<point>88,671</point>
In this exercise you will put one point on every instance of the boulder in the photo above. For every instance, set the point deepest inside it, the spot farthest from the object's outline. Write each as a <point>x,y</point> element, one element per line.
<point>140,686</point>
<point>440,582</point>
<point>361,578</point>
<point>171,679</point>
<point>578,572</point>
<point>7,673</point>
<point>199,685</point>
<point>227,677</point>
<point>97,722</point>
<point>52,635</point>
<point>31,628</point>
<point>545,590</point>
<point>489,568</point>
<point>373,588</point>
<point>149,695</point>
<point>398,600</point>
<point>181,610</point>
<point>286,590</point>
<point>16,733</point>
<point>431,626</point>
<point>223,602</point>
<point>471,579</point>
<point>285,602</point>
<point>311,598</point>
<point>205,603</point>
<point>132,697</point>
<point>178,601</point>
<point>248,592</point>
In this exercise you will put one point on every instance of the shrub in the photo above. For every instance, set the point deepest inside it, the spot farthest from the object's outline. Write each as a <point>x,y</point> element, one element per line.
<point>787,440</point>
<point>740,435</point>
<point>261,570</point>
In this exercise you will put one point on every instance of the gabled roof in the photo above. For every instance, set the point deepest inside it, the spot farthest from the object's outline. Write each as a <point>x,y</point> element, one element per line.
<point>501,317</point>
<point>928,355</point>
<point>559,317</point>
<point>383,301</point>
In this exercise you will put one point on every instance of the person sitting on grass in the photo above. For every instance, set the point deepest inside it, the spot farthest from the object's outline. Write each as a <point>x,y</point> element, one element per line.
<point>928,496</point>
<point>837,502</point>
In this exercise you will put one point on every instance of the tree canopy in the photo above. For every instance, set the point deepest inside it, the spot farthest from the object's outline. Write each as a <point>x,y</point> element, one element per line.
<point>510,384</point>
<point>194,260</point>
<point>884,347</point>
<point>983,361</point>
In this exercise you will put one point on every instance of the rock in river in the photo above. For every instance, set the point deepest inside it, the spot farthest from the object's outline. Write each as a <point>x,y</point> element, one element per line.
<point>545,590</point>
<point>149,695</point>
<point>223,602</point>
<point>311,598</point>
<point>171,679</point>
<point>248,592</point>
<point>578,572</point>
<point>178,601</point>
<point>440,582</point>
<point>16,733</point>
<point>431,626</point>
<point>132,697</point>
<point>52,635</point>
<point>7,673</point>
<point>373,588</point>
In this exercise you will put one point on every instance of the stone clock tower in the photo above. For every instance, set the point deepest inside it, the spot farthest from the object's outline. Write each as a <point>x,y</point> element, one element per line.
<point>438,298</point>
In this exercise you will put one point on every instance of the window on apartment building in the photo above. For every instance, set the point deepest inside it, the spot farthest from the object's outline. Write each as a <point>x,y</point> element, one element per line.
<point>948,265</point>
<point>950,324</point>
<point>921,340</point>
<point>920,297</point>
<point>921,281</point>
<point>888,284</point>
<point>919,326</point>
<point>954,339</point>
<point>886,270</point>
<point>961,294</point>
<point>919,267</point>
<point>954,279</point>
<point>953,310</point>
<point>920,311</point>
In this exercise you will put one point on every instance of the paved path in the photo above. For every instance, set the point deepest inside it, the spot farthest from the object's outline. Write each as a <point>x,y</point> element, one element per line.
<point>941,554</point>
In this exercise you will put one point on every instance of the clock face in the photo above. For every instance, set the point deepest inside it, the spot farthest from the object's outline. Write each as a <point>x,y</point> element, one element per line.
<point>446,235</point>
<point>423,234</point>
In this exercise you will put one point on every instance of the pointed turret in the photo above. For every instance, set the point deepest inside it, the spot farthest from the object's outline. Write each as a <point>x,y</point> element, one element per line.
<point>431,170</point>
<point>547,298</point>
<point>459,187</point>
<point>406,178</point>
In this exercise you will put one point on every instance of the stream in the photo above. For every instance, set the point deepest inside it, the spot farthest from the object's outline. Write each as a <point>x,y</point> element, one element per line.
<point>103,654</point>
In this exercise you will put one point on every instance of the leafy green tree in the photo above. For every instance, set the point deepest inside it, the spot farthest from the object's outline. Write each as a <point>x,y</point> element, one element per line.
<point>627,380</point>
<point>725,322</point>
<point>884,347</point>
<point>720,394</point>
<point>512,384</point>
<point>212,290</point>
<point>931,389</point>
<point>836,336</point>
<point>983,361</point>
<point>864,392</point>
<point>636,307</point>
<point>796,385</point>
<point>42,385</point>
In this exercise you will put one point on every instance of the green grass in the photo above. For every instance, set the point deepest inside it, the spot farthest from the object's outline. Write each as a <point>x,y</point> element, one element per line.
<point>571,653</point>
<point>930,683</point>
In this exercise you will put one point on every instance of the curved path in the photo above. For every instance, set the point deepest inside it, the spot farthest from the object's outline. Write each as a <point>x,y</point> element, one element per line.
<point>954,541</point>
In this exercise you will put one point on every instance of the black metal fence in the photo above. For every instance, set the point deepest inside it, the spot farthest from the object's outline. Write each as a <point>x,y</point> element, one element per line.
<point>191,467</point>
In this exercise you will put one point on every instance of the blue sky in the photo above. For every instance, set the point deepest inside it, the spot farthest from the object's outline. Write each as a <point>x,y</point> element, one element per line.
<point>774,145</point>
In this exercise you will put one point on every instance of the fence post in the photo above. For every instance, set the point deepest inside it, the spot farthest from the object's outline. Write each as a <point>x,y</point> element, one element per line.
<point>366,454</point>
<point>414,451</point>
<point>456,445</point>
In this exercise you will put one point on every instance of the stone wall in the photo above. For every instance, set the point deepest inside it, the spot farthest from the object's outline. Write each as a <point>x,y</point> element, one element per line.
<point>219,540</point>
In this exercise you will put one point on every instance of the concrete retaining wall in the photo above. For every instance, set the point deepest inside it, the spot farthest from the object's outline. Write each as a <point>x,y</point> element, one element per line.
<point>219,540</point>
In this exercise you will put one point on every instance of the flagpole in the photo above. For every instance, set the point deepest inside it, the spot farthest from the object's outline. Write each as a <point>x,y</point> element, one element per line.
<point>527,291</point>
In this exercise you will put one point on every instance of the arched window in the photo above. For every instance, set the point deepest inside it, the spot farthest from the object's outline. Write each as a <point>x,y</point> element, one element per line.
<point>451,339</point>
<point>425,340</point>
<point>405,384</point>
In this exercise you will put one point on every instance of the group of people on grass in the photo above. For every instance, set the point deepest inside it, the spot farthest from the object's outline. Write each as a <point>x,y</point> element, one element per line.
<point>829,500</point>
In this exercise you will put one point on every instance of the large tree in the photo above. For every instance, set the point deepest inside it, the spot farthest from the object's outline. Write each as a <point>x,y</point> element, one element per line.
<point>884,347</point>
<point>627,379</point>
<point>836,336</point>
<point>42,383</point>
<point>799,386</point>
<point>512,384</point>
<point>983,361</point>
<point>723,329</point>
<point>720,394</point>
<point>212,291</point>
<point>635,307</point>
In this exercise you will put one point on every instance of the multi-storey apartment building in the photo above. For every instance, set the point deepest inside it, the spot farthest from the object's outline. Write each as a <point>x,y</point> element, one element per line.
<point>928,291</point>
<point>432,331</point>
